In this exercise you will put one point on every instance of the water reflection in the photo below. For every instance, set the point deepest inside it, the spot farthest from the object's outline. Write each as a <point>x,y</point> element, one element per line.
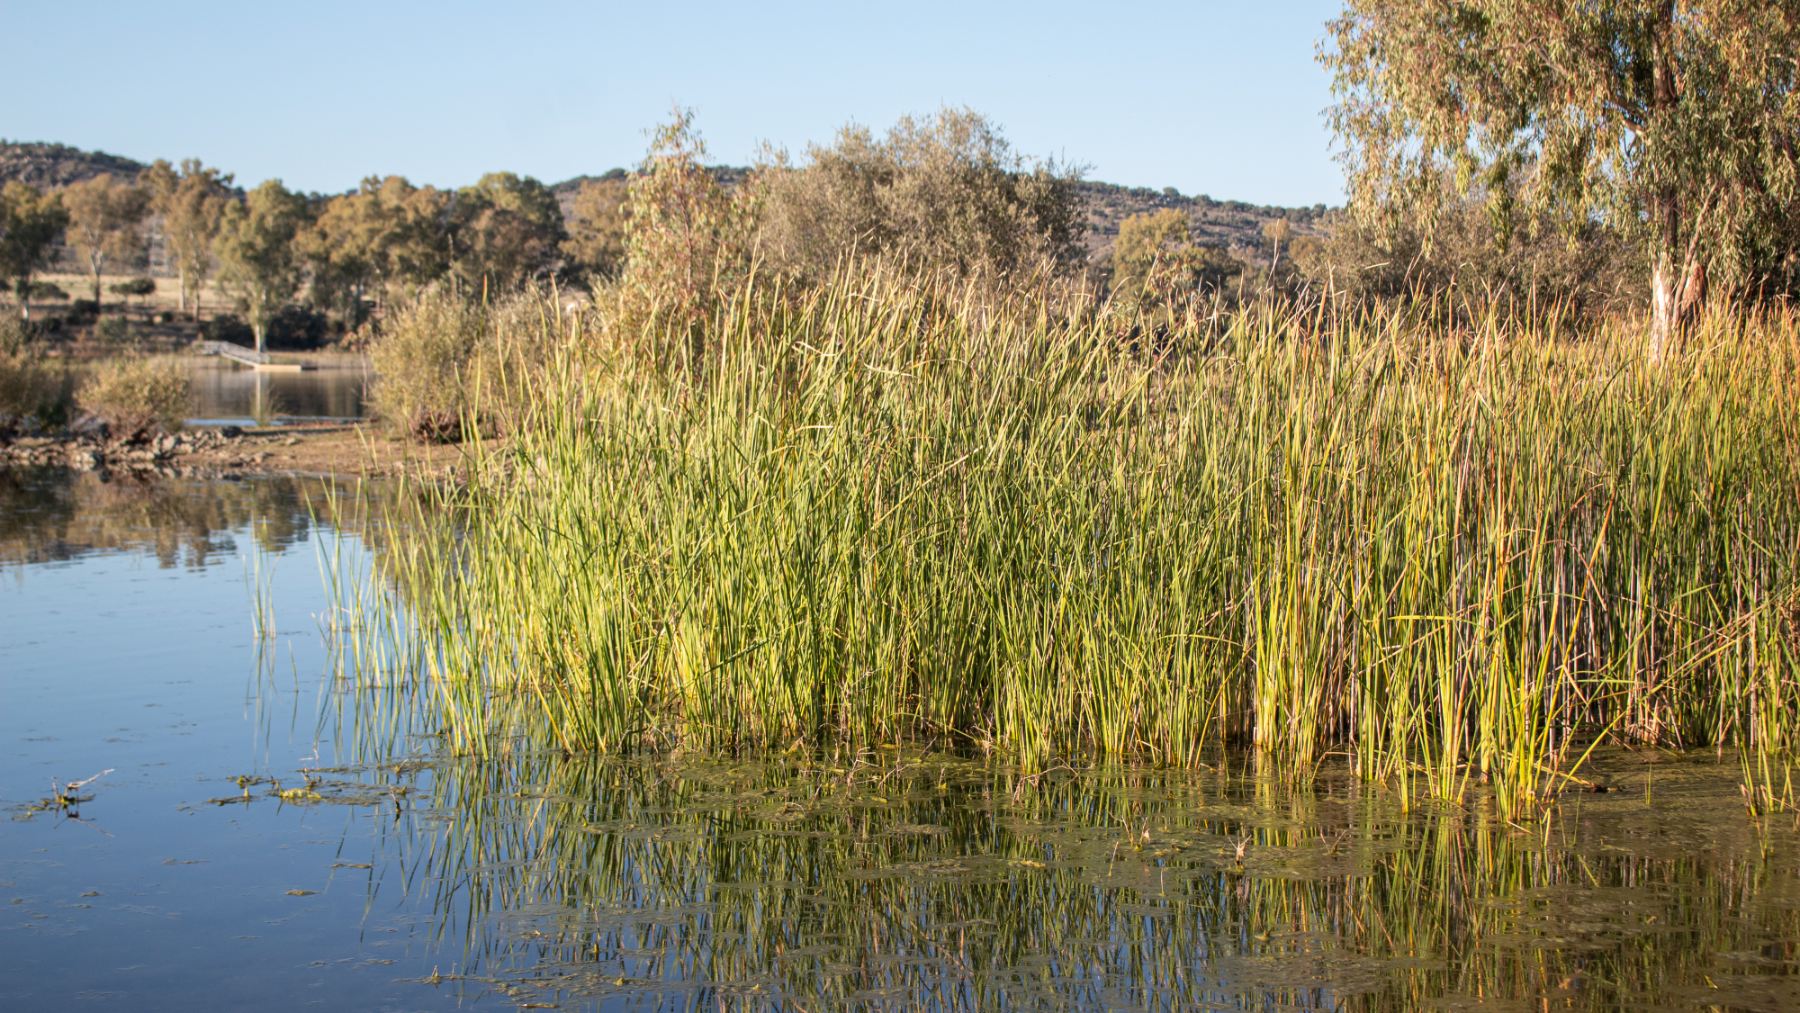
<point>226,392</point>
<point>53,514</point>
<point>934,882</point>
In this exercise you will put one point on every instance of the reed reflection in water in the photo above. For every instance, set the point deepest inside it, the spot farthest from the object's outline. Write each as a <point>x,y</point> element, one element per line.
<point>920,881</point>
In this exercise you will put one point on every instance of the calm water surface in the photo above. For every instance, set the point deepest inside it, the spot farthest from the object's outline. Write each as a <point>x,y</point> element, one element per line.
<point>225,392</point>
<point>392,877</point>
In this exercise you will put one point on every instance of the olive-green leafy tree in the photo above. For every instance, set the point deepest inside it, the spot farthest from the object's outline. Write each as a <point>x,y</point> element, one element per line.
<point>1674,120</point>
<point>189,202</point>
<point>596,224</point>
<point>507,230</point>
<point>345,250</point>
<point>106,217</point>
<point>259,261</point>
<point>30,221</point>
<point>946,190</point>
<point>687,237</point>
<point>406,232</point>
<point>1156,263</point>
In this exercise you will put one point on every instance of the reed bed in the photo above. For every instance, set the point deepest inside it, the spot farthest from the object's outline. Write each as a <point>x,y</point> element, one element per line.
<point>889,511</point>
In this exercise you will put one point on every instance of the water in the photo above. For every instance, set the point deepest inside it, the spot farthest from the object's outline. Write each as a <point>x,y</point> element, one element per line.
<point>225,392</point>
<point>397,878</point>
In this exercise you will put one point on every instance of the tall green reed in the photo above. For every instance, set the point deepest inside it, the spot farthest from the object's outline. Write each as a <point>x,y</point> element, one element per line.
<point>887,510</point>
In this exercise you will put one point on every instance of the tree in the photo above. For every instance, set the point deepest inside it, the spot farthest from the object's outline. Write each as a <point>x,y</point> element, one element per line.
<point>1155,261</point>
<point>507,229</point>
<point>259,263</point>
<point>947,191</point>
<point>190,203</point>
<point>1674,120</point>
<point>596,224</point>
<point>345,247</point>
<point>687,238</point>
<point>1144,241</point>
<point>30,221</point>
<point>105,218</point>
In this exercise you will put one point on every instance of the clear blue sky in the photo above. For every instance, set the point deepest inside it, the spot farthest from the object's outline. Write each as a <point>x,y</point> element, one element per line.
<point>1221,97</point>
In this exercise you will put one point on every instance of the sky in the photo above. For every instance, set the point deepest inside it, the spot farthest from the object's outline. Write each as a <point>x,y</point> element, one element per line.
<point>1219,97</point>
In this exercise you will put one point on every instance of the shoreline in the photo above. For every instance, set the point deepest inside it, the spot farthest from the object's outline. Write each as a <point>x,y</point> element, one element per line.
<point>331,449</point>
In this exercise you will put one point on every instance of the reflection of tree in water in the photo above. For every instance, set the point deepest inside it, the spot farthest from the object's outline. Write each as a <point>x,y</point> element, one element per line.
<point>55,514</point>
<point>946,884</point>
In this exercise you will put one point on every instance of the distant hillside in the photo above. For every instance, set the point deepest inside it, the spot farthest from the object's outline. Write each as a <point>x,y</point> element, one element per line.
<point>1227,223</point>
<point>50,165</point>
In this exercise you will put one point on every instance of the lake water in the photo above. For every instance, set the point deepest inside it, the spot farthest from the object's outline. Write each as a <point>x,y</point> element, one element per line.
<point>174,634</point>
<point>225,392</point>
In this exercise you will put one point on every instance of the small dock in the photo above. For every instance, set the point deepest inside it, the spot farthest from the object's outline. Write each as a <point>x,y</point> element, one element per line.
<point>248,357</point>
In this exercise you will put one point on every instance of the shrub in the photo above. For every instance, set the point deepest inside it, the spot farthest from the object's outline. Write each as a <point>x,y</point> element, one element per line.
<point>136,398</point>
<point>113,330</point>
<point>134,287</point>
<point>15,334</point>
<point>443,363</point>
<point>226,327</point>
<point>46,291</point>
<point>31,390</point>
<point>82,311</point>
<point>296,327</point>
<point>947,192</point>
<point>420,357</point>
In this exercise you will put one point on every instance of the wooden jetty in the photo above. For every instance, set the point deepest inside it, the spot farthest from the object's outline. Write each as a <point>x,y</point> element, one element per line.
<point>248,356</point>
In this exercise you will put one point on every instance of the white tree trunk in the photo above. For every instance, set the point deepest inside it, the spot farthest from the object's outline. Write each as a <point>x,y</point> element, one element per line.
<point>1663,306</point>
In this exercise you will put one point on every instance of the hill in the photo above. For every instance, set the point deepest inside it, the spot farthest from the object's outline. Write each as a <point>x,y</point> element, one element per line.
<point>51,165</point>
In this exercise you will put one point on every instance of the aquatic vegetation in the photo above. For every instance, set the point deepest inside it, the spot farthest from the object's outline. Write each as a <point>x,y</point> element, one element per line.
<point>901,879</point>
<point>886,511</point>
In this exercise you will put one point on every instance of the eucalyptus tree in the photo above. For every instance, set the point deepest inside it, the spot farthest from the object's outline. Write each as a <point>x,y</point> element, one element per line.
<point>189,201</point>
<point>596,226</point>
<point>1675,121</point>
<point>260,263</point>
<point>106,217</point>
<point>507,230</point>
<point>30,221</point>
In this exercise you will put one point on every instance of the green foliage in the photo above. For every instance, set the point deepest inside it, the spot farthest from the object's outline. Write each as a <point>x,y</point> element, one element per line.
<point>423,359</point>
<point>32,391</point>
<point>46,291</point>
<point>136,398</point>
<point>30,221</point>
<point>507,231</point>
<point>1673,122</point>
<point>190,202</point>
<point>16,334</point>
<point>596,243</point>
<point>1156,266</point>
<point>1532,270</point>
<point>139,287</point>
<point>688,241</point>
<point>113,330</point>
<point>227,327</point>
<point>106,214</point>
<point>1450,558</point>
<point>448,366</point>
<point>946,192</point>
<point>259,262</point>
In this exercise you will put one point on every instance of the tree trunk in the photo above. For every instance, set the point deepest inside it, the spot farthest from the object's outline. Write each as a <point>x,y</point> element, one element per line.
<point>181,288</point>
<point>96,266</point>
<point>1662,305</point>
